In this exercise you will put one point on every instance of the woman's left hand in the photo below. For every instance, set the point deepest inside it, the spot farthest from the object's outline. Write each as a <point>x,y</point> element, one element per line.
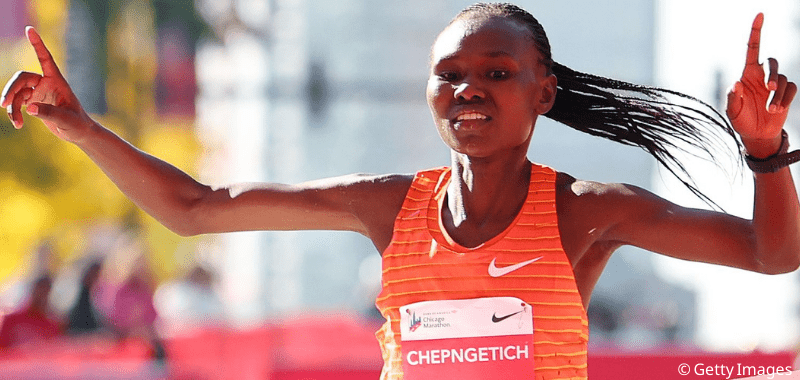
<point>756,118</point>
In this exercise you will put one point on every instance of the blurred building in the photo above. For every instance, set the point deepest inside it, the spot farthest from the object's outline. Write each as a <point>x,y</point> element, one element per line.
<point>14,20</point>
<point>701,48</point>
<point>177,30</point>
<point>85,40</point>
<point>296,90</point>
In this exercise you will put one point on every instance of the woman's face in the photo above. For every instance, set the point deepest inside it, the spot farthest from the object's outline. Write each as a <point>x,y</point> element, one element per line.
<point>487,86</point>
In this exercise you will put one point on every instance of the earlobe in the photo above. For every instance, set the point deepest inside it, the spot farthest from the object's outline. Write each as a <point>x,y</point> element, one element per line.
<point>548,94</point>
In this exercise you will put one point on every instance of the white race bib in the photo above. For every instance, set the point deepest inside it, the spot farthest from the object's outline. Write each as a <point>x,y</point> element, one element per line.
<point>482,338</point>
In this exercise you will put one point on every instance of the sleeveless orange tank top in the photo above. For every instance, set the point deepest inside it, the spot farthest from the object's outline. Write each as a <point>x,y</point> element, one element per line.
<point>422,263</point>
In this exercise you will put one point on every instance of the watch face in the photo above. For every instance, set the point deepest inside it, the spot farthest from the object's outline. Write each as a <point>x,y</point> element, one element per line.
<point>784,142</point>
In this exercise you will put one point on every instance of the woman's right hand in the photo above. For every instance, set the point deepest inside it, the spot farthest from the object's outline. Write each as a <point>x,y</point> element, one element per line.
<point>758,104</point>
<point>47,96</point>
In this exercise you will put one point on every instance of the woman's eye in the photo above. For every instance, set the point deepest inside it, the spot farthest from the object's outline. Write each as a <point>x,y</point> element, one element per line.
<point>448,76</point>
<point>498,74</point>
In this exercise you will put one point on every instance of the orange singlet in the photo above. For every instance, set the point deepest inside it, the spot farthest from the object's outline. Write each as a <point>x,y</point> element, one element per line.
<point>508,308</point>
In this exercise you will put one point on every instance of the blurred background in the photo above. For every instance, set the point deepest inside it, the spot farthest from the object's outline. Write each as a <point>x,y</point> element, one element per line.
<point>293,90</point>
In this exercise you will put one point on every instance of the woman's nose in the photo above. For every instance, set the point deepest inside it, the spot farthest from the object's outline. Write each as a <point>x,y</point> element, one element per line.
<point>468,91</point>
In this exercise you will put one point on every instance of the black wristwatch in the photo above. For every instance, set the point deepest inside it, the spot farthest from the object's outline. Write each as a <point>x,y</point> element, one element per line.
<point>776,161</point>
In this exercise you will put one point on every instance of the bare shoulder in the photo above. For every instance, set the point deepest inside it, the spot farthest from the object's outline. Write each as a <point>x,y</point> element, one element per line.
<point>376,201</point>
<point>582,196</point>
<point>588,211</point>
<point>594,189</point>
<point>590,215</point>
<point>369,189</point>
<point>364,194</point>
<point>579,205</point>
<point>377,182</point>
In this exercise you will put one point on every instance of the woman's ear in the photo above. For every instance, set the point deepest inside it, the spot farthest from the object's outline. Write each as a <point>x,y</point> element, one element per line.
<point>547,95</point>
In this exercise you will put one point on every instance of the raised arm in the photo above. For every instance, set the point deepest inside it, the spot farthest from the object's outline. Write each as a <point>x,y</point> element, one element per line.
<point>365,204</point>
<point>616,215</point>
<point>759,122</point>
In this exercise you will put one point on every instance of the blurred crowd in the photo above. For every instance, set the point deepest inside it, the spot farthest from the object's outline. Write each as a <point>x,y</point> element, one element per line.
<point>100,298</point>
<point>107,311</point>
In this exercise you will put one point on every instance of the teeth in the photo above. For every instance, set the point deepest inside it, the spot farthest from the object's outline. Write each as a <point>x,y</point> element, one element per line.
<point>471,116</point>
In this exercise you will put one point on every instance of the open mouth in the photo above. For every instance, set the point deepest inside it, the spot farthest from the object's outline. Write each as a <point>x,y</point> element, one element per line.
<point>470,120</point>
<point>471,116</point>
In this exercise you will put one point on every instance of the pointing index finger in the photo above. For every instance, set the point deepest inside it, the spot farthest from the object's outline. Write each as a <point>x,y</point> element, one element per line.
<point>755,40</point>
<point>49,67</point>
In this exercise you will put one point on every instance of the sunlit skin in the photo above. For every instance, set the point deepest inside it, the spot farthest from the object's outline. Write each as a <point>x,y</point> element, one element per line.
<point>490,71</point>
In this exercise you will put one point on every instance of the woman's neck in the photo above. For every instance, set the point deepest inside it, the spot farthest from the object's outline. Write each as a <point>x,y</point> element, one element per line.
<point>483,197</point>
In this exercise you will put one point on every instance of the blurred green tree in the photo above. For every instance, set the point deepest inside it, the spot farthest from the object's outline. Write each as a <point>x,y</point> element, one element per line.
<point>50,189</point>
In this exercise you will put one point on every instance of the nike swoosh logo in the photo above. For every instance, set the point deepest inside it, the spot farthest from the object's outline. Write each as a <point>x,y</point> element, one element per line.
<point>495,319</point>
<point>494,271</point>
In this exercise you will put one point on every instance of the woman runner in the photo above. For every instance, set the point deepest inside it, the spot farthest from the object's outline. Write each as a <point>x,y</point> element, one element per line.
<point>489,264</point>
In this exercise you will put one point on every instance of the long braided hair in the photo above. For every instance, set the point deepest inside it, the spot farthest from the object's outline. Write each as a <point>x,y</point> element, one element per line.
<point>658,120</point>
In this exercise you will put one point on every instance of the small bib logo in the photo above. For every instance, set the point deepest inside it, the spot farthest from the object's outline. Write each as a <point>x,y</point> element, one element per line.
<point>414,322</point>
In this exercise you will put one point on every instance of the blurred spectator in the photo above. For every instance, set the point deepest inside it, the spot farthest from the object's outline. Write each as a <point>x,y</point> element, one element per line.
<point>84,317</point>
<point>189,303</point>
<point>33,323</point>
<point>45,258</point>
<point>133,313</point>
